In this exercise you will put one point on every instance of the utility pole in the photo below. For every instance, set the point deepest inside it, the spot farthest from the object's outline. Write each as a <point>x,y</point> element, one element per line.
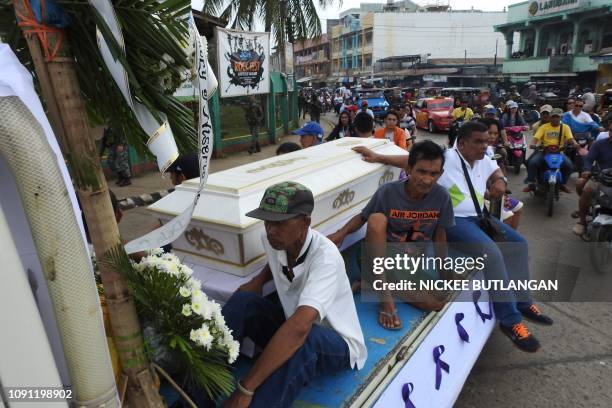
<point>495,60</point>
<point>284,28</point>
<point>465,57</point>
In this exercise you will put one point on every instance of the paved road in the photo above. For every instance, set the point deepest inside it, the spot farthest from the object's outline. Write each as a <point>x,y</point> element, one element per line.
<point>574,366</point>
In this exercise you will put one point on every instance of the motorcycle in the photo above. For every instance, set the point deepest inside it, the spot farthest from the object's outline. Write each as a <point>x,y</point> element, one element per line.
<point>517,149</point>
<point>453,131</point>
<point>599,229</point>
<point>549,178</point>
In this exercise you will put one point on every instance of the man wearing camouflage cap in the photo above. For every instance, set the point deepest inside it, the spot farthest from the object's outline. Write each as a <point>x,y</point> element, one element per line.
<point>315,330</point>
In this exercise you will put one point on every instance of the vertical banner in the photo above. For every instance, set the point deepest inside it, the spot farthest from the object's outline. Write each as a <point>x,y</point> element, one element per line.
<point>244,62</point>
<point>289,66</point>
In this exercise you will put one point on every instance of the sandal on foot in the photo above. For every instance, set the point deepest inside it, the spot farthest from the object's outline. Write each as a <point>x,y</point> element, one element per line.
<point>391,315</point>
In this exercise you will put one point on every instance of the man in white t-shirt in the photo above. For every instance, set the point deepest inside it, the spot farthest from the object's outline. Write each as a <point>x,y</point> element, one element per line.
<point>507,261</point>
<point>316,331</point>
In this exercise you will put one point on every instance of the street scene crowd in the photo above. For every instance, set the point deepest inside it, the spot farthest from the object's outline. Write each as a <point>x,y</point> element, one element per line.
<point>256,275</point>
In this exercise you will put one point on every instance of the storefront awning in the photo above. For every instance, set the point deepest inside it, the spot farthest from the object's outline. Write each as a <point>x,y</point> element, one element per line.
<point>555,74</point>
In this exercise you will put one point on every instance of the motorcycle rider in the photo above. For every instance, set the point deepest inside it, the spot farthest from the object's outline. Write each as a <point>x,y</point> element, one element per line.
<point>601,152</point>
<point>556,134</point>
<point>605,104</point>
<point>589,99</point>
<point>463,113</point>
<point>459,115</point>
<point>578,120</point>
<point>511,116</point>
<point>545,111</point>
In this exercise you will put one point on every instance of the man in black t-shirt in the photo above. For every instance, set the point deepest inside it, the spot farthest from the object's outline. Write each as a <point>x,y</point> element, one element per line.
<point>411,210</point>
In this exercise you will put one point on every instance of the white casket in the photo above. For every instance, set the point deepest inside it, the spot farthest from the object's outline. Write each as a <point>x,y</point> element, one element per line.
<point>221,237</point>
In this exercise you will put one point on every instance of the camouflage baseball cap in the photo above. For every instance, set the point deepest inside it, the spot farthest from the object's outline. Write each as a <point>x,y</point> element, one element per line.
<point>284,201</point>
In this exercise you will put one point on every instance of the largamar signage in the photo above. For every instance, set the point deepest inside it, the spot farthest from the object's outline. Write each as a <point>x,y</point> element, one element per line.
<point>538,8</point>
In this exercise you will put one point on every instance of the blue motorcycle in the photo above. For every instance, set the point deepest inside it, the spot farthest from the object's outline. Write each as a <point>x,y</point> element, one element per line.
<point>549,177</point>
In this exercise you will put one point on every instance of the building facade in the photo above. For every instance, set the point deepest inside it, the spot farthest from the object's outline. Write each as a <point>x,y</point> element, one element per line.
<point>364,37</point>
<point>556,39</point>
<point>311,60</point>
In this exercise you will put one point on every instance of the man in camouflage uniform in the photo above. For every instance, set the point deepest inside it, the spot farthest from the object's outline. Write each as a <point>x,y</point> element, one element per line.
<point>118,159</point>
<point>254,116</point>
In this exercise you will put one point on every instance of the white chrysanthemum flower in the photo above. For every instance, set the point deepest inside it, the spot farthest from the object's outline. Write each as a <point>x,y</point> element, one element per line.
<point>233,350</point>
<point>156,252</point>
<point>171,258</point>
<point>173,268</point>
<point>186,310</point>
<point>198,296</point>
<point>193,335</point>
<point>205,310</point>
<point>205,339</point>
<point>216,309</point>
<point>196,307</point>
<point>220,321</point>
<point>185,291</point>
<point>196,284</point>
<point>185,270</point>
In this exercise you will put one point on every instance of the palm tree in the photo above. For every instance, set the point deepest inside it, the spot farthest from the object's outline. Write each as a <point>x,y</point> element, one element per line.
<point>78,90</point>
<point>293,20</point>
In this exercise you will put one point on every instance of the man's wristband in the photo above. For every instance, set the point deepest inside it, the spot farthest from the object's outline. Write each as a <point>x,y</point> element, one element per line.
<point>244,390</point>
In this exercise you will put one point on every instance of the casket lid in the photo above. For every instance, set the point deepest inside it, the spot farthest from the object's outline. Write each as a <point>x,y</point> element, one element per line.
<point>231,193</point>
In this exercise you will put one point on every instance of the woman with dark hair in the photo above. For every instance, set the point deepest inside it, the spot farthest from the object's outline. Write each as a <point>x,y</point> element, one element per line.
<point>511,116</point>
<point>344,128</point>
<point>408,121</point>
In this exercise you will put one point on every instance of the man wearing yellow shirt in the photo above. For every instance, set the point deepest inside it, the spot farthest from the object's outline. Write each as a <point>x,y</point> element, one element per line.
<point>553,133</point>
<point>462,113</point>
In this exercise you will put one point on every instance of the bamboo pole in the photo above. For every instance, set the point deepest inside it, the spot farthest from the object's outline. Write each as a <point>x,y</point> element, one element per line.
<point>78,147</point>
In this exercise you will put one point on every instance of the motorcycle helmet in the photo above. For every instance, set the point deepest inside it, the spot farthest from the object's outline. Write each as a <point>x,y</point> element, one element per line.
<point>605,177</point>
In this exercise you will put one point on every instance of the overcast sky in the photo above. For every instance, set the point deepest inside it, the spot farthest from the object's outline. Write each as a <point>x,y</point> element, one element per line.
<point>334,10</point>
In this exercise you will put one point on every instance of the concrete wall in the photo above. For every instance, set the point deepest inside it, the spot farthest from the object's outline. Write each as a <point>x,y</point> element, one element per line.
<point>441,34</point>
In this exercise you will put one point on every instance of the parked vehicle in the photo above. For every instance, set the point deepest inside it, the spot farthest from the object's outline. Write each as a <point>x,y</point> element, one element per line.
<point>471,95</point>
<point>552,93</point>
<point>429,91</point>
<point>599,229</point>
<point>517,147</point>
<point>376,101</point>
<point>549,178</point>
<point>433,114</point>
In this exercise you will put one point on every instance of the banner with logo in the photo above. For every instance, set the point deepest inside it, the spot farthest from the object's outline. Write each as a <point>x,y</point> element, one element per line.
<point>542,7</point>
<point>244,62</point>
<point>161,142</point>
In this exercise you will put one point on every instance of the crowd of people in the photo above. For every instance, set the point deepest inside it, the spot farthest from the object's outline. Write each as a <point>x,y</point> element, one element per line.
<point>313,327</point>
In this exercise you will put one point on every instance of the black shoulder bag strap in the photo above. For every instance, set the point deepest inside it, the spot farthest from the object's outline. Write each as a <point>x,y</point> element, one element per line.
<point>479,210</point>
<point>560,134</point>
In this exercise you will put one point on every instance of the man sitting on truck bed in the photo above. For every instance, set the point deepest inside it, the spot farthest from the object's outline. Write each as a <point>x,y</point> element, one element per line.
<point>410,210</point>
<point>316,331</point>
